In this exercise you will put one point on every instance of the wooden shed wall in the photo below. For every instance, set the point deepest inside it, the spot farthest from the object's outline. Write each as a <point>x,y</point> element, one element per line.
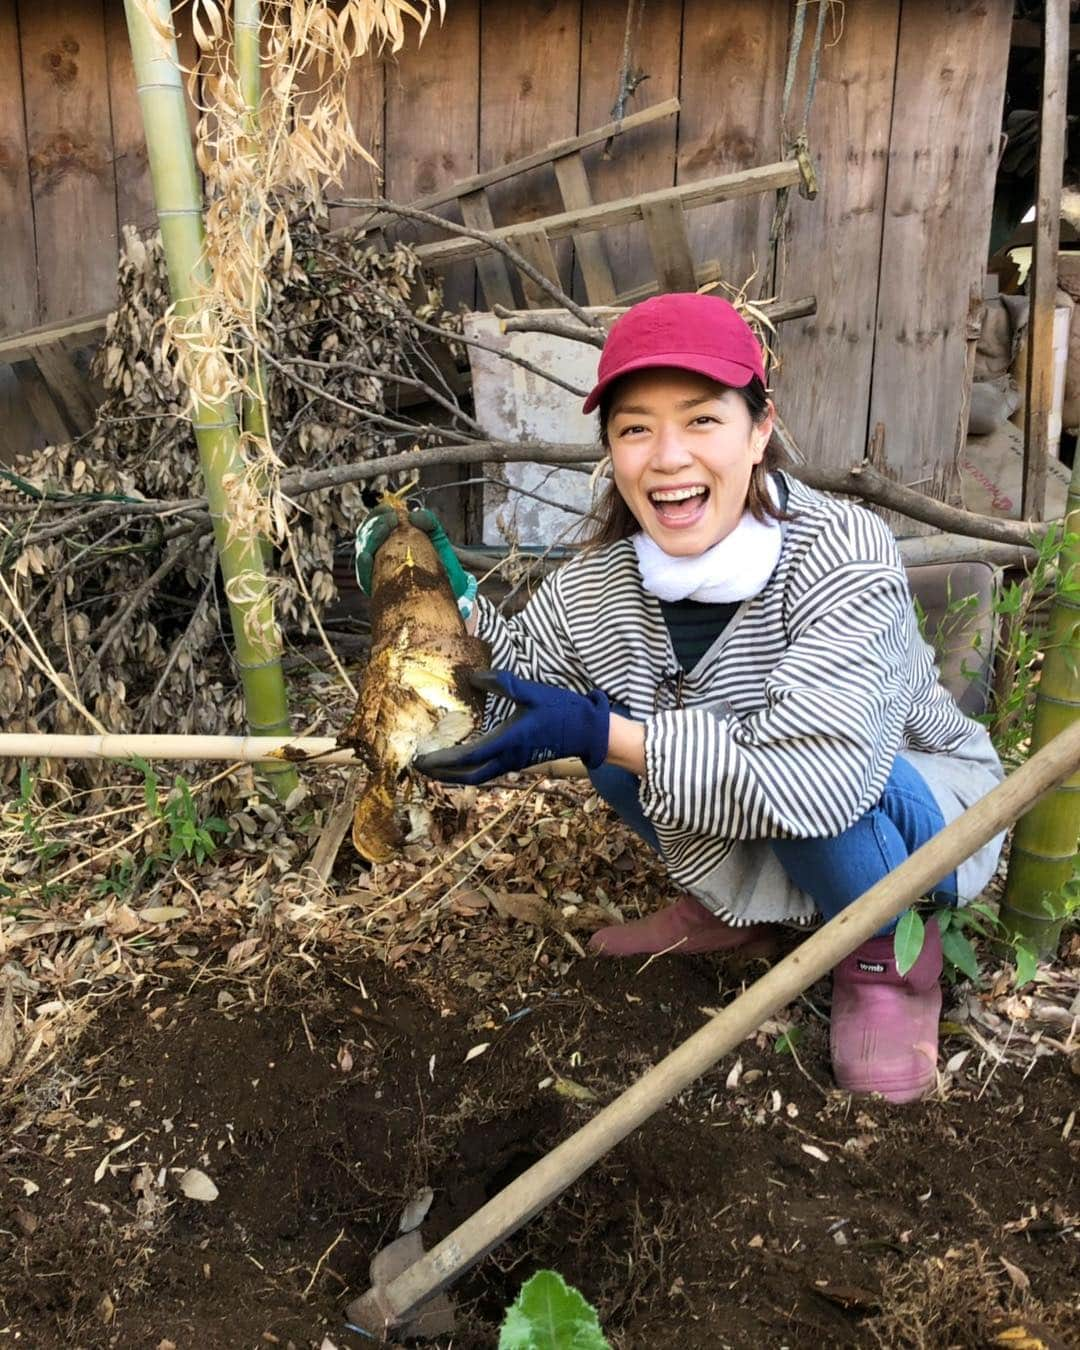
<point>903,129</point>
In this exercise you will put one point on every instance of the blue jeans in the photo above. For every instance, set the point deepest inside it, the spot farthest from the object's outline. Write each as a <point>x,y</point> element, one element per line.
<point>833,871</point>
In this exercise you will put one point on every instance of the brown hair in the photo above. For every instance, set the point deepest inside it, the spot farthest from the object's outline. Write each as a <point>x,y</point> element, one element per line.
<point>612,520</point>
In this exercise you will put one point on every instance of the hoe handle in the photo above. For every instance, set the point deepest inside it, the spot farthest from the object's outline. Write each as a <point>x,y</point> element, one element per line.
<point>813,958</point>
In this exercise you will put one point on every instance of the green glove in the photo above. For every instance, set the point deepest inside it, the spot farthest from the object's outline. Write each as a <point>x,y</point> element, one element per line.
<point>376,528</point>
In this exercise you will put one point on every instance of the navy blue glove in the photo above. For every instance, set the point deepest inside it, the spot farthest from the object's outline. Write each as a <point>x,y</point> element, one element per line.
<point>549,723</point>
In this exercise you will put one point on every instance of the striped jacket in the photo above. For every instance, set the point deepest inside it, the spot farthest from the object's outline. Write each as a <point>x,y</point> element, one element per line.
<point>788,725</point>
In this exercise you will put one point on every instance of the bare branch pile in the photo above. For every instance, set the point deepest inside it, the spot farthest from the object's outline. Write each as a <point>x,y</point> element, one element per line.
<point>110,611</point>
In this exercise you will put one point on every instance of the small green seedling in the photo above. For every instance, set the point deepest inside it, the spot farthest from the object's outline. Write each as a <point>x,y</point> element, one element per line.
<point>549,1314</point>
<point>188,836</point>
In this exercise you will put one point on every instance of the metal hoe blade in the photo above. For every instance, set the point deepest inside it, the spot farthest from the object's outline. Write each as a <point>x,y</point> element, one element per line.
<point>372,1315</point>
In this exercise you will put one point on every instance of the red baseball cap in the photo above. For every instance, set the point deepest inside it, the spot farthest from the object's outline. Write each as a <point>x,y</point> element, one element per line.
<point>702,333</point>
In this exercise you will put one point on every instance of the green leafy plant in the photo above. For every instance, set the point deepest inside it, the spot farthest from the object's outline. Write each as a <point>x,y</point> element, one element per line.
<point>549,1314</point>
<point>44,849</point>
<point>1020,608</point>
<point>958,926</point>
<point>188,836</point>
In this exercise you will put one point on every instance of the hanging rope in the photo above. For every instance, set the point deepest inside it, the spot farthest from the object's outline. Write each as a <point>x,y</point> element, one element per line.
<point>797,146</point>
<point>629,77</point>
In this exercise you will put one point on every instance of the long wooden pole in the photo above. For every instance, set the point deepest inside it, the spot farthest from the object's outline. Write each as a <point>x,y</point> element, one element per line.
<point>242,749</point>
<point>392,1305</point>
<point>1043,288</point>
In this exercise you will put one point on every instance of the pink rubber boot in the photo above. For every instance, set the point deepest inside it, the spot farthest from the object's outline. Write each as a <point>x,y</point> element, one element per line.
<point>684,928</point>
<point>884,1029</point>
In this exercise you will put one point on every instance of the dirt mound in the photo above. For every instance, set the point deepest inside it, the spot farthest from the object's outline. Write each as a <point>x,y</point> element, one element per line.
<point>761,1208</point>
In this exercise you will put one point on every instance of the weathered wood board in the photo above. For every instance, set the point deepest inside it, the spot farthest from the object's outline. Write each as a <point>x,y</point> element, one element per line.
<point>367,110</point>
<point>69,135</point>
<point>640,160</point>
<point>19,431</point>
<point>950,85</point>
<point>732,75</point>
<point>431,110</point>
<point>832,244</point>
<point>529,54</point>
<point>18,295</point>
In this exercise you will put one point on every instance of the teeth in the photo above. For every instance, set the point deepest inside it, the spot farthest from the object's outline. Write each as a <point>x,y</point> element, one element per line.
<point>676,494</point>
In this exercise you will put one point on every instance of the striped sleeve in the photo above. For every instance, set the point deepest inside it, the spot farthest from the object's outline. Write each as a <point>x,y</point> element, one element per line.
<point>817,755</point>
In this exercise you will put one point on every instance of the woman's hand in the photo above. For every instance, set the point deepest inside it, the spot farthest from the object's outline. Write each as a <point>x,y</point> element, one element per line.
<point>549,723</point>
<point>379,524</point>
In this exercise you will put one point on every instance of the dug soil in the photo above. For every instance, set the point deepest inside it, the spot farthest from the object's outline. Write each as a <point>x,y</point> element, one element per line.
<point>322,1098</point>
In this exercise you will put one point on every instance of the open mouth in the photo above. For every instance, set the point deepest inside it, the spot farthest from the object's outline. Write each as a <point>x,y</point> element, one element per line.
<point>679,507</point>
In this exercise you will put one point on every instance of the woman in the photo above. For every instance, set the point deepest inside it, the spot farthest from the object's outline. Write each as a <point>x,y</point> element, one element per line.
<point>736,659</point>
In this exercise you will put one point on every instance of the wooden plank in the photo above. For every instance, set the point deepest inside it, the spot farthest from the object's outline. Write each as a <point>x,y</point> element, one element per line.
<point>549,154</point>
<point>67,386</point>
<point>366,95</point>
<point>69,134</point>
<point>590,254</point>
<point>535,247</point>
<point>431,111</point>
<point>529,55</point>
<point>19,431</point>
<point>732,76</point>
<point>134,190</point>
<point>42,407</point>
<point>949,89</point>
<point>665,228</point>
<point>642,159</point>
<point>495,284</point>
<point>1043,285</point>
<point>728,187</point>
<point>18,296</point>
<point>21,347</point>
<point>833,243</point>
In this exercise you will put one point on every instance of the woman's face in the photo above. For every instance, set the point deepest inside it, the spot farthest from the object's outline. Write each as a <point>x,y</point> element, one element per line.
<point>682,452</point>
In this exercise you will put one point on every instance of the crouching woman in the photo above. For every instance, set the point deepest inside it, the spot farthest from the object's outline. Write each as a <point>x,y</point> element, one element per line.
<point>736,659</point>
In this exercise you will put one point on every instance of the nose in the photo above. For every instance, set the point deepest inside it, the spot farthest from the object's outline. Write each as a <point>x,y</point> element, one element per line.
<point>670,453</point>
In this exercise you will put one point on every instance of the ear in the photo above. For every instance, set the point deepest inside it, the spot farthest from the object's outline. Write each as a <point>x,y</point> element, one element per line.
<point>762,433</point>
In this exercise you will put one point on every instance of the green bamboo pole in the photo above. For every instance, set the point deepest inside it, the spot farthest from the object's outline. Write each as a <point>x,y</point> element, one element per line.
<point>1044,847</point>
<point>178,199</point>
<point>247,27</point>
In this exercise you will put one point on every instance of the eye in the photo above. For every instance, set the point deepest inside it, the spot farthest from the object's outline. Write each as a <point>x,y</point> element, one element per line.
<point>706,419</point>
<point>631,429</point>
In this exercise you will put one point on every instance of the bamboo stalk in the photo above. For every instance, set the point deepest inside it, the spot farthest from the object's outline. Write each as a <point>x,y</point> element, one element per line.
<point>1044,848</point>
<point>247,28</point>
<point>178,200</point>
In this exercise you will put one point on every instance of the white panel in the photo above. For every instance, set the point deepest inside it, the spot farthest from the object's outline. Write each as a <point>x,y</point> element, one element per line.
<point>513,404</point>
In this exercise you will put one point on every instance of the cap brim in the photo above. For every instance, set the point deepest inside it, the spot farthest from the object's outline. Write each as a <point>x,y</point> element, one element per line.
<point>732,373</point>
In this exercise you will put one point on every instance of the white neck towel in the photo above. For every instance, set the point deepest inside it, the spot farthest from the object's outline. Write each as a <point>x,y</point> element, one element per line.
<point>734,569</point>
